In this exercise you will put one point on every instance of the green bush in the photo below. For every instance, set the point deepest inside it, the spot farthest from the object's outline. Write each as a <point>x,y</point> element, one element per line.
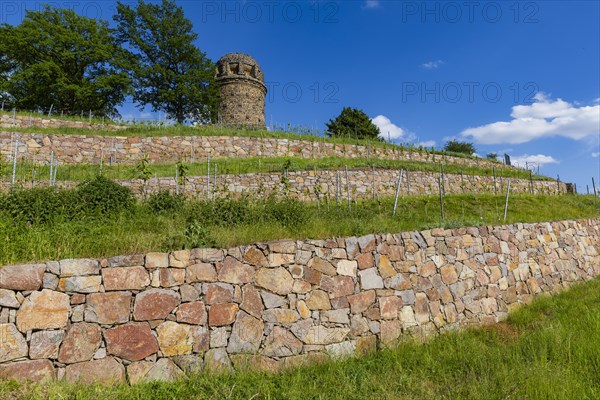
<point>38,205</point>
<point>287,212</point>
<point>164,201</point>
<point>103,196</point>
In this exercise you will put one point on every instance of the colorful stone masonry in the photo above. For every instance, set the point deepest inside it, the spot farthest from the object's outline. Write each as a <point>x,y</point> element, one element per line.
<point>20,121</point>
<point>273,305</point>
<point>323,185</point>
<point>92,149</point>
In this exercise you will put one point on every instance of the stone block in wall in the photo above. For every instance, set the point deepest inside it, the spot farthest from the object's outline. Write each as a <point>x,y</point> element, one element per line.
<point>106,370</point>
<point>43,310</point>
<point>108,308</point>
<point>22,277</point>
<point>125,278</point>
<point>14,345</point>
<point>38,371</point>
<point>154,304</point>
<point>80,343</point>
<point>133,341</point>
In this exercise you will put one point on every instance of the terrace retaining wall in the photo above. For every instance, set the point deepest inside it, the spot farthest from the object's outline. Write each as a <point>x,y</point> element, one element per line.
<point>324,184</point>
<point>91,149</point>
<point>274,305</point>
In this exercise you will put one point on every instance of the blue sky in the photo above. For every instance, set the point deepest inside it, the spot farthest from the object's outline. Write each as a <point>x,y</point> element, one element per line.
<point>515,77</point>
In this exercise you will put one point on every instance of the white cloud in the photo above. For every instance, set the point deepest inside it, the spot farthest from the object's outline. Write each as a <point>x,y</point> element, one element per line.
<point>433,64</point>
<point>597,154</point>
<point>535,160</point>
<point>388,129</point>
<point>426,143</point>
<point>372,4</point>
<point>543,118</point>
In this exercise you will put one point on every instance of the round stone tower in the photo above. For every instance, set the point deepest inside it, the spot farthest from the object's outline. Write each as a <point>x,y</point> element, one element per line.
<point>242,89</point>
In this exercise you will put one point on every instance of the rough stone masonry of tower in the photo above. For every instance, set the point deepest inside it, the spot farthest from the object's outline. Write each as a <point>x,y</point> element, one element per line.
<point>242,90</point>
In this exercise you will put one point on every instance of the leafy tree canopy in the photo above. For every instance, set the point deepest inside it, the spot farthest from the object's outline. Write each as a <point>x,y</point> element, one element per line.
<point>456,146</point>
<point>492,156</point>
<point>168,71</point>
<point>354,123</point>
<point>59,58</point>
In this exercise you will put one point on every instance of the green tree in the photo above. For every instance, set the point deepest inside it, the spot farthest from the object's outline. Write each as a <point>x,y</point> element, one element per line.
<point>169,72</point>
<point>354,123</point>
<point>58,58</point>
<point>492,156</point>
<point>456,146</point>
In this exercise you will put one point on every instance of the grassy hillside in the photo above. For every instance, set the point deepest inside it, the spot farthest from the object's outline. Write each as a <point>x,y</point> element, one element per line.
<point>548,350</point>
<point>38,226</point>
<point>77,172</point>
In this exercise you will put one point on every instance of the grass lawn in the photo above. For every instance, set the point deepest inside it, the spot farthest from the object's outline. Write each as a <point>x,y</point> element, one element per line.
<point>547,350</point>
<point>227,223</point>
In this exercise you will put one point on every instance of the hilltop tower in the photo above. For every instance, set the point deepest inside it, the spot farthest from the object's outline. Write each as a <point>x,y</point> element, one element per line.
<point>242,89</point>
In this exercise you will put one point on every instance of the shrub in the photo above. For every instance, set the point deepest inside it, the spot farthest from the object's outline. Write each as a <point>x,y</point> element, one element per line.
<point>287,212</point>
<point>164,201</point>
<point>38,205</point>
<point>104,196</point>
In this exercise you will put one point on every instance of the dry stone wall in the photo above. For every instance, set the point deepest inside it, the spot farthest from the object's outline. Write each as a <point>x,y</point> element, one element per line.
<point>20,121</point>
<point>322,185</point>
<point>91,149</point>
<point>272,305</point>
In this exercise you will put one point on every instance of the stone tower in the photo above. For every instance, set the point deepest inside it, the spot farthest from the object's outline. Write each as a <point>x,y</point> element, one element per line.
<point>242,89</point>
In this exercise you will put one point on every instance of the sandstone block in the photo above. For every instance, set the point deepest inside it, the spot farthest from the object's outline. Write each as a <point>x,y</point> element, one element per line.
<point>254,256</point>
<point>361,301</point>
<point>338,286</point>
<point>251,362</point>
<point>126,261</point>
<point>45,344</point>
<point>246,335</point>
<point>80,343</point>
<point>13,343</point>
<point>217,360</point>
<point>108,308</point>
<point>179,259</point>
<point>22,277</point>
<point>370,279</point>
<point>157,260</point>
<point>201,273</point>
<point>322,266</point>
<point>277,280</point>
<point>38,371</point>
<point>386,270</point>
<point>322,335</point>
<point>347,268</point>
<point>133,341</point>
<point>318,300</point>
<point>218,293</point>
<point>80,284</point>
<point>8,299</point>
<point>233,271</point>
<point>175,339</point>
<point>283,316</point>
<point>43,310</point>
<point>390,331</point>
<point>78,267</point>
<point>170,277</point>
<point>251,301</point>
<point>125,278</point>
<point>222,314</point>
<point>390,307</point>
<point>281,343</point>
<point>449,275</point>
<point>155,304</point>
<point>192,313</point>
<point>106,370</point>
